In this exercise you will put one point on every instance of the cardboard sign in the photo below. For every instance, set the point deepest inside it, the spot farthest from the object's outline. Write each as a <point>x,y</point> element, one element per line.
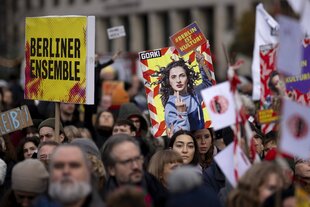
<point>188,39</point>
<point>116,32</point>
<point>59,53</point>
<point>290,51</point>
<point>229,166</point>
<point>267,116</point>
<point>14,120</point>
<point>220,104</point>
<point>295,129</point>
<point>155,66</point>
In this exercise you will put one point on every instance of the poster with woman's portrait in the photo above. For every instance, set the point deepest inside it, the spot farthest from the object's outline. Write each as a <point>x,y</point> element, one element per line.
<point>173,84</point>
<point>270,86</point>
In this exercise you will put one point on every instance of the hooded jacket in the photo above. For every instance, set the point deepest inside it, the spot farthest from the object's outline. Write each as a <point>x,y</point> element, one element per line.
<point>128,110</point>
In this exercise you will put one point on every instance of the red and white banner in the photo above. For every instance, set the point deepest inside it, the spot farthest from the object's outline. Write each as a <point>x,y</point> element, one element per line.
<point>266,29</point>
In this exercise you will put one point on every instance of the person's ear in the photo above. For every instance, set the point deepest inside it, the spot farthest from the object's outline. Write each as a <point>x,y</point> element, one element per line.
<point>61,138</point>
<point>111,171</point>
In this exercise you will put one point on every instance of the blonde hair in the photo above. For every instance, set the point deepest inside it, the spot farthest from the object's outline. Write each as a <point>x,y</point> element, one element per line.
<point>160,158</point>
<point>72,132</point>
<point>97,170</point>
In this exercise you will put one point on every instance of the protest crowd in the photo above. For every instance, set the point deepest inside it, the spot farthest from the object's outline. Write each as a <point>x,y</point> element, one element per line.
<point>114,152</point>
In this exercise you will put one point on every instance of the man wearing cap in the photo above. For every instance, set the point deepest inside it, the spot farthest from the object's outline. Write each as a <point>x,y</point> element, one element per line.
<point>29,180</point>
<point>47,131</point>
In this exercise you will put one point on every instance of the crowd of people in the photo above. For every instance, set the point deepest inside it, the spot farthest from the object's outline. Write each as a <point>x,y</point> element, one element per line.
<point>106,156</point>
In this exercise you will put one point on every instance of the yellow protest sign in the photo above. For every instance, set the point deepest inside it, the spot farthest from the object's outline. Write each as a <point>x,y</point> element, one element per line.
<point>59,54</point>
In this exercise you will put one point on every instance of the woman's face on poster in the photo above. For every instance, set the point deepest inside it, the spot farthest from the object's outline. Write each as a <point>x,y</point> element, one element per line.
<point>178,79</point>
<point>278,83</point>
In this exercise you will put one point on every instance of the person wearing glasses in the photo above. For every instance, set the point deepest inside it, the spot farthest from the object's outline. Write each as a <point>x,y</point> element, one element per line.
<point>124,164</point>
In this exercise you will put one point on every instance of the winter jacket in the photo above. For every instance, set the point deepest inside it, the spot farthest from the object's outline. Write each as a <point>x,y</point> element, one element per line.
<point>93,200</point>
<point>149,184</point>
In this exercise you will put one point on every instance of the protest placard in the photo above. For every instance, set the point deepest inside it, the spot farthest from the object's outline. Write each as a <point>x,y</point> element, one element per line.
<point>232,169</point>
<point>188,38</point>
<point>162,88</point>
<point>116,32</point>
<point>290,51</point>
<point>220,104</point>
<point>298,86</point>
<point>15,119</point>
<point>295,129</point>
<point>268,105</point>
<point>59,53</point>
<point>266,30</point>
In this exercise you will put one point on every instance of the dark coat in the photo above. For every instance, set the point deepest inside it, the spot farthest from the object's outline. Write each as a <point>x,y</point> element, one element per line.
<point>214,178</point>
<point>130,109</point>
<point>93,200</point>
<point>149,183</point>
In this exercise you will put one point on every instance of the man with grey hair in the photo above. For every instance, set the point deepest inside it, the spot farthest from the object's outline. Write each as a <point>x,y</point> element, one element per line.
<point>124,163</point>
<point>70,179</point>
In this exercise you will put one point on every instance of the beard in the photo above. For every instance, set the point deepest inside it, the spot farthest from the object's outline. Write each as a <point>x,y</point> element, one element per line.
<point>68,190</point>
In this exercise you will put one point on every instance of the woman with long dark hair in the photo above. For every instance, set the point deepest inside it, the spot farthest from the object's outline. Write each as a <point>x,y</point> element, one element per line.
<point>185,144</point>
<point>207,149</point>
<point>180,95</point>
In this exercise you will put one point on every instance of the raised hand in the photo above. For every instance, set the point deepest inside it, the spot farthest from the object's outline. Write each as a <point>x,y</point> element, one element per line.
<point>199,57</point>
<point>179,104</point>
<point>169,130</point>
<point>115,55</point>
<point>201,61</point>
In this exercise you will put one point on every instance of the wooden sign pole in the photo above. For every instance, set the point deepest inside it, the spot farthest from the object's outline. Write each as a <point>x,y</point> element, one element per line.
<point>57,119</point>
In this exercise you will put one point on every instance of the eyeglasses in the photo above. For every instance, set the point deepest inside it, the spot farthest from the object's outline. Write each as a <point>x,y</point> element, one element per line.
<point>129,162</point>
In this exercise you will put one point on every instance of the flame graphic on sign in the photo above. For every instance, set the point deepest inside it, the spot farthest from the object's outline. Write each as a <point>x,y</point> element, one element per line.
<point>78,93</point>
<point>31,85</point>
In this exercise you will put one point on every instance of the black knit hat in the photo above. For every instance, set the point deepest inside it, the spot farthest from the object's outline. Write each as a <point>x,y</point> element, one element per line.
<point>50,122</point>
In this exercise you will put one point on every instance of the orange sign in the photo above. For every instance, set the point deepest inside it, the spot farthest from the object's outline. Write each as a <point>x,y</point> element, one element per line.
<point>116,90</point>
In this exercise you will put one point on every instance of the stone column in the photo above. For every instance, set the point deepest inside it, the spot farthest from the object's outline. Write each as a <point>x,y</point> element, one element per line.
<point>119,43</point>
<point>156,31</point>
<point>200,17</point>
<point>137,35</point>
<point>101,44</point>
<point>219,29</point>
<point>176,21</point>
